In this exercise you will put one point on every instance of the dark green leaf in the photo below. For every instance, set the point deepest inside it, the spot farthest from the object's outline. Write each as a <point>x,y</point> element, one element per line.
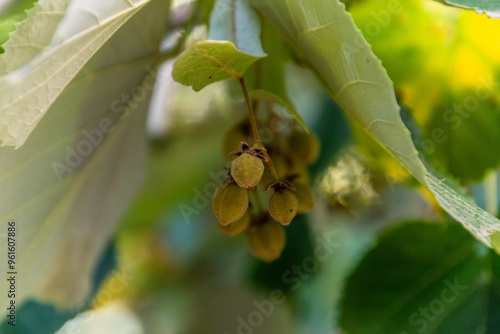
<point>423,278</point>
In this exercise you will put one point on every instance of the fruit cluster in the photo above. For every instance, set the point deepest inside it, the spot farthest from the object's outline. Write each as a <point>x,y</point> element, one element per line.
<point>258,171</point>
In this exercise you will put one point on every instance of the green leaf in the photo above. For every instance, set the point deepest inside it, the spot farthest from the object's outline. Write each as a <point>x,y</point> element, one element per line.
<point>207,62</point>
<point>11,14</point>
<point>236,21</point>
<point>337,52</point>
<point>264,95</point>
<point>29,92</point>
<point>423,278</point>
<point>32,35</point>
<point>68,185</point>
<point>461,140</point>
<point>490,7</point>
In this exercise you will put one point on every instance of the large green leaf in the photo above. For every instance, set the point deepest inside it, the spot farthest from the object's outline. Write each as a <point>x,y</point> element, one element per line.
<point>235,21</point>
<point>207,62</point>
<point>424,278</point>
<point>32,35</point>
<point>67,186</point>
<point>325,34</point>
<point>11,13</point>
<point>29,92</point>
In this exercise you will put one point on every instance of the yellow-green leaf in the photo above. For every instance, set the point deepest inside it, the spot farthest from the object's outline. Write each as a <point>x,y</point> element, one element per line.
<point>207,62</point>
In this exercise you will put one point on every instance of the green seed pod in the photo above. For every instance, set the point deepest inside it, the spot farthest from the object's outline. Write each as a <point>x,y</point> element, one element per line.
<point>267,240</point>
<point>229,203</point>
<point>303,147</point>
<point>247,170</point>
<point>283,206</point>
<point>304,197</point>
<point>237,227</point>
<point>233,137</point>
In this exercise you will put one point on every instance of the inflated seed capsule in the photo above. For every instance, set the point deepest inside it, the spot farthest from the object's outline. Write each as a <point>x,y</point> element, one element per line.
<point>283,206</point>
<point>303,146</point>
<point>230,202</point>
<point>266,240</point>
<point>237,227</point>
<point>247,170</point>
<point>304,197</point>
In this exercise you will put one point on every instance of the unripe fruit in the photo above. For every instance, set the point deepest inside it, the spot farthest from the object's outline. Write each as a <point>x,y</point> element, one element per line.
<point>247,170</point>
<point>229,203</point>
<point>237,227</point>
<point>283,206</point>
<point>266,240</point>
<point>303,147</point>
<point>304,197</point>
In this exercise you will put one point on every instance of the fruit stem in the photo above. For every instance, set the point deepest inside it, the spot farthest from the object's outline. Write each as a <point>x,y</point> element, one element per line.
<point>251,113</point>
<point>255,129</point>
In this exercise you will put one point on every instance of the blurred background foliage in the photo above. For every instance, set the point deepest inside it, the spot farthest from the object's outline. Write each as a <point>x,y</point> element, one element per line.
<point>170,270</point>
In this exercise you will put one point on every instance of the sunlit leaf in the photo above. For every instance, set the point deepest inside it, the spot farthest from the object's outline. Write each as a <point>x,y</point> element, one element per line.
<point>67,186</point>
<point>11,13</point>
<point>336,50</point>
<point>32,35</point>
<point>207,62</point>
<point>30,91</point>
<point>235,21</point>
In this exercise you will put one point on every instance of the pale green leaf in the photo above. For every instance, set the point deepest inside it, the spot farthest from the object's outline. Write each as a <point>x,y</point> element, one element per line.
<point>264,95</point>
<point>207,62</point>
<point>30,91</point>
<point>32,35</point>
<point>236,21</point>
<point>68,185</point>
<point>336,50</point>
<point>11,14</point>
